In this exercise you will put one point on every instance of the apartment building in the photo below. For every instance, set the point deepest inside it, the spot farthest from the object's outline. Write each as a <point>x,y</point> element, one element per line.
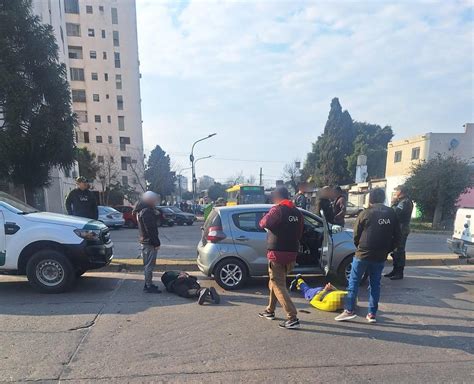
<point>103,63</point>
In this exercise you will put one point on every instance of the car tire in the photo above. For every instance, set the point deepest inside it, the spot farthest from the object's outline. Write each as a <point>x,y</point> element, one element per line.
<point>344,270</point>
<point>231,274</point>
<point>129,224</point>
<point>50,271</point>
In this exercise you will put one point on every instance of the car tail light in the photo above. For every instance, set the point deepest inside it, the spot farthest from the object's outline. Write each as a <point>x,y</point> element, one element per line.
<point>215,234</point>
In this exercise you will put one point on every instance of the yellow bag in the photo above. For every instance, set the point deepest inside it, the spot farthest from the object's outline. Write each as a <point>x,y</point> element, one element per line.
<point>329,301</point>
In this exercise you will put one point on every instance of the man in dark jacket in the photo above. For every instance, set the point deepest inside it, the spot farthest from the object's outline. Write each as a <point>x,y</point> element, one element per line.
<point>376,233</point>
<point>300,199</point>
<point>81,201</point>
<point>403,207</point>
<point>185,285</point>
<point>284,225</point>
<point>323,203</point>
<point>147,218</point>
<point>339,206</point>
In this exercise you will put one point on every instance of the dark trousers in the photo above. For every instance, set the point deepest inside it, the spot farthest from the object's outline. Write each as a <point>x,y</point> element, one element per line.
<point>399,254</point>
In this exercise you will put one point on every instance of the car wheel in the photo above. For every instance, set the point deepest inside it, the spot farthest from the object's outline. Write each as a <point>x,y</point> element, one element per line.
<point>231,274</point>
<point>344,271</point>
<point>129,224</point>
<point>50,271</point>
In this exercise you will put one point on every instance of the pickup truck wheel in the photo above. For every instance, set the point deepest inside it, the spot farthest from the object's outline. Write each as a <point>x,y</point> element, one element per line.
<point>231,274</point>
<point>50,271</point>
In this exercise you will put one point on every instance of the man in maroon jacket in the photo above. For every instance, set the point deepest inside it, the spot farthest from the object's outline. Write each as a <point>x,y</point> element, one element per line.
<point>284,225</point>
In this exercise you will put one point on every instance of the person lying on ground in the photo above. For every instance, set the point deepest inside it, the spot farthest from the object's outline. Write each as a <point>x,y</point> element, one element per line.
<point>185,285</point>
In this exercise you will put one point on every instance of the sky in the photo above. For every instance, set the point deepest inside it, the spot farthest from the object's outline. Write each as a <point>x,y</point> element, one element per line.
<point>261,74</point>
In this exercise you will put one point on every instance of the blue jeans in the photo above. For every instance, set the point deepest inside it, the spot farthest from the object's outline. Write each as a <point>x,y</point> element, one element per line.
<point>309,292</point>
<point>359,267</point>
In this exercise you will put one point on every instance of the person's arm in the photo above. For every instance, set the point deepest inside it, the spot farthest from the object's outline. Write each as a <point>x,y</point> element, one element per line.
<point>341,203</point>
<point>358,228</point>
<point>271,219</point>
<point>397,234</point>
<point>69,202</point>
<point>149,223</point>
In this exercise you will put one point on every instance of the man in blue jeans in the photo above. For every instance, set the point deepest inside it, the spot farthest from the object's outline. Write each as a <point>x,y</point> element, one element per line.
<point>376,234</point>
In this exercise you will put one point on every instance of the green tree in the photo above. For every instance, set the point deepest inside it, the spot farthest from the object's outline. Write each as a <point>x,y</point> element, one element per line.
<point>158,173</point>
<point>370,140</point>
<point>435,185</point>
<point>217,190</point>
<point>37,125</point>
<point>88,166</point>
<point>327,162</point>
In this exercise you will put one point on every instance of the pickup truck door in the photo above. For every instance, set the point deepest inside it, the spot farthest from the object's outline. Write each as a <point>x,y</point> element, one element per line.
<point>327,247</point>
<point>3,251</point>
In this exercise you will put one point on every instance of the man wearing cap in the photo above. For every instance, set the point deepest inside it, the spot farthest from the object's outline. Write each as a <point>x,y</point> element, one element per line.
<point>81,201</point>
<point>284,225</point>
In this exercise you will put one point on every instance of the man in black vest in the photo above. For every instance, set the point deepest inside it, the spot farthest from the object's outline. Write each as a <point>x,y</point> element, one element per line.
<point>81,201</point>
<point>284,225</point>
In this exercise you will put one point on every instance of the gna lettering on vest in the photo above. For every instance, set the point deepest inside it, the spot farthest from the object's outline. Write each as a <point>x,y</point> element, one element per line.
<point>293,219</point>
<point>384,221</point>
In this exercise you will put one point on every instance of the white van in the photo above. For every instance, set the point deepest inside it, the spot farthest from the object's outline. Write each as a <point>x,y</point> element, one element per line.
<point>462,242</point>
<point>52,250</point>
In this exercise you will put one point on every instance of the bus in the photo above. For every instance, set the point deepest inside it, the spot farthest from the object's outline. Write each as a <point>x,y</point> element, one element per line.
<point>245,194</point>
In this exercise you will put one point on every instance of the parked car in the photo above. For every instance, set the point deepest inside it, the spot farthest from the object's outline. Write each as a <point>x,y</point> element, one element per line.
<point>52,250</point>
<point>233,246</point>
<point>167,216</point>
<point>111,217</point>
<point>353,210</point>
<point>182,218</point>
<point>128,216</point>
<point>462,241</point>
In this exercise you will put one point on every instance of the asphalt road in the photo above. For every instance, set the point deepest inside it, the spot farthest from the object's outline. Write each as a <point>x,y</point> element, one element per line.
<point>108,330</point>
<point>180,243</point>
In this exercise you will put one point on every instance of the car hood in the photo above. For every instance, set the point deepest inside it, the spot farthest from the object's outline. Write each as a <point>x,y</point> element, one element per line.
<point>58,219</point>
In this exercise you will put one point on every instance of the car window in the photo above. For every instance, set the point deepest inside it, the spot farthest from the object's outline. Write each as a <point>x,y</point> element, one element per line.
<point>248,221</point>
<point>312,222</point>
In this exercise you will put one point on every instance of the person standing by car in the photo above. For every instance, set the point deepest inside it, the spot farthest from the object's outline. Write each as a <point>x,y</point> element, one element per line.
<point>323,203</point>
<point>339,206</point>
<point>376,233</point>
<point>81,201</point>
<point>148,219</point>
<point>284,225</point>
<point>403,207</point>
<point>300,199</point>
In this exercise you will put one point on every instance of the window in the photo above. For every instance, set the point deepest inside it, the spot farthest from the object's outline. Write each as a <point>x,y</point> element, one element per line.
<point>101,8</point>
<point>91,32</point>
<point>118,81</point>
<point>79,95</point>
<point>109,119</point>
<point>71,6</point>
<point>73,29</point>
<point>97,118</point>
<point>93,54</point>
<point>77,74</point>
<point>107,96</point>
<point>120,102</point>
<point>123,143</point>
<point>117,59</point>
<point>94,76</point>
<point>121,123</point>
<point>115,35</point>
<point>106,76</point>
<point>415,153</point>
<point>81,116</point>
<point>102,32</point>
<point>104,55</point>
<point>86,137</point>
<point>110,139</point>
<point>75,52</point>
<point>248,221</point>
<point>95,97</point>
<point>98,139</point>
<point>124,180</point>
<point>124,160</point>
<point>112,160</point>
<point>114,15</point>
<point>89,9</point>
<point>100,159</point>
<point>397,157</point>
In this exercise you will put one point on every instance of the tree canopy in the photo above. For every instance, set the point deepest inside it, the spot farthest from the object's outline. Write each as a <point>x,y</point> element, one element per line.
<point>216,190</point>
<point>88,166</point>
<point>435,185</point>
<point>37,124</point>
<point>158,173</point>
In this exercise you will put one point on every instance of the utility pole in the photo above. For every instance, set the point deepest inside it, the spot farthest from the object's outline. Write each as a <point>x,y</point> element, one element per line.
<point>261,177</point>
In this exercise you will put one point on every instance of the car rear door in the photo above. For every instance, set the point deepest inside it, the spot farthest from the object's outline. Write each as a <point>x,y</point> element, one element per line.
<point>327,247</point>
<point>3,250</point>
<point>250,239</point>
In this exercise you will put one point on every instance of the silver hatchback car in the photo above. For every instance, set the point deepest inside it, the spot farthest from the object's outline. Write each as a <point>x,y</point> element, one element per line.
<point>233,246</point>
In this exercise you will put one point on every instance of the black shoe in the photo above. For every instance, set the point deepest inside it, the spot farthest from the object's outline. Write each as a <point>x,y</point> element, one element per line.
<point>267,315</point>
<point>151,289</point>
<point>203,295</point>
<point>290,324</point>
<point>391,274</point>
<point>214,295</point>
<point>397,276</point>
<point>294,283</point>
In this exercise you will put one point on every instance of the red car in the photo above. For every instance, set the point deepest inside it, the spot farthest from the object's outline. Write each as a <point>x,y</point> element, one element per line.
<point>130,218</point>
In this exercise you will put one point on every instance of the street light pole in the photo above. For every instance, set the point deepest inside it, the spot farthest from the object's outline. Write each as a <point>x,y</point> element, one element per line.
<point>191,159</point>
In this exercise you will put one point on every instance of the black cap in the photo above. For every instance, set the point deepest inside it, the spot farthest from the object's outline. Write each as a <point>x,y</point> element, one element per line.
<point>281,192</point>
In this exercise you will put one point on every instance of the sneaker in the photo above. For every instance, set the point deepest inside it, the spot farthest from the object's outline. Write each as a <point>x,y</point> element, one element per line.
<point>371,318</point>
<point>290,324</point>
<point>214,295</point>
<point>346,315</point>
<point>294,283</point>
<point>151,289</point>
<point>203,295</point>
<point>267,315</point>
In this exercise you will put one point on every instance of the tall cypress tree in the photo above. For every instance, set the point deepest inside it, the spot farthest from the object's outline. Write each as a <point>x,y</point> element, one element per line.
<point>158,173</point>
<point>36,119</point>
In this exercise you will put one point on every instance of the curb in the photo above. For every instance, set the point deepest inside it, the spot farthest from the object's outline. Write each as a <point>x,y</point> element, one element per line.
<point>431,232</point>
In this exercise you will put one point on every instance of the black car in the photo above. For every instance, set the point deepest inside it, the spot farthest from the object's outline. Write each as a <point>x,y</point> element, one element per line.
<point>167,216</point>
<point>183,217</point>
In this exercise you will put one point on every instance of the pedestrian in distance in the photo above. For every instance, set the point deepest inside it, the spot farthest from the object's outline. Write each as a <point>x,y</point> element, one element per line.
<point>81,201</point>
<point>403,207</point>
<point>323,203</point>
<point>300,199</point>
<point>339,206</point>
<point>148,219</point>
<point>284,225</point>
<point>376,234</point>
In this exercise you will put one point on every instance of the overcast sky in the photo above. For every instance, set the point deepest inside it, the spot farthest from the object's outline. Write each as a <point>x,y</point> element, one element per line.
<point>261,74</point>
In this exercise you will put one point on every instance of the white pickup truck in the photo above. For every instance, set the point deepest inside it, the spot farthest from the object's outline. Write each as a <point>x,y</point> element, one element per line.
<point>462,241</point>
<point>52,250</point>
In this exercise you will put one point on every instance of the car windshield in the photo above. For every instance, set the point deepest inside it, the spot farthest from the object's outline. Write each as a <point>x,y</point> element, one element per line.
<point>17,204</point>
<point>176,210</point>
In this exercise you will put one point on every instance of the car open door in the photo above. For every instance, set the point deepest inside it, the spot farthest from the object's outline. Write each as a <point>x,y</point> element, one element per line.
<point>3,246</point>
<point>327,246</point>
